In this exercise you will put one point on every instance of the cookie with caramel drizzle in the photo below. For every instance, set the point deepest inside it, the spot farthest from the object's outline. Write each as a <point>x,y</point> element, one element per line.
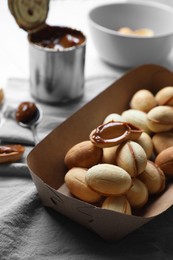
<point>114,133</point>
<point>11,153</point>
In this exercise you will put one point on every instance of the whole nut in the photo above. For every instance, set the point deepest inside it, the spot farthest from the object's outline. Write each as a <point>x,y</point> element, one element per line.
<point>146,142</point>
<point>137,195</point>
<point>83,154</point>
<point>145,32</point>
<point>75,181</point>
<point>108,179</point>
<point>165,161</point>
<point>153,177</point>
<point>137,118</point>
<point>125,30</point>
<point>165,96</point>
<point>162,141</point>
<point>160,119</point>
<point>131,157</point>
<point>118,204</point>
<point>113,117</point>
<point>143,100</point>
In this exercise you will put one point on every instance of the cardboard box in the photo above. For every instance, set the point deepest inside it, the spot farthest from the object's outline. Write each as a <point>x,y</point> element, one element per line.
<point>46,160</point>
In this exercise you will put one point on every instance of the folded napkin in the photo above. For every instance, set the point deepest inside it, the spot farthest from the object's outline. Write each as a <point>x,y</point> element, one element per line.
<point>12,133</point>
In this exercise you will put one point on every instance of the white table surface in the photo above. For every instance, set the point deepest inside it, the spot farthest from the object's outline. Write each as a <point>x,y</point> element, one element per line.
<point>14,56</point>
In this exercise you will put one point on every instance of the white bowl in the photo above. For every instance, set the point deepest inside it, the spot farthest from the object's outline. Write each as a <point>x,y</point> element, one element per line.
<point>129,51</point>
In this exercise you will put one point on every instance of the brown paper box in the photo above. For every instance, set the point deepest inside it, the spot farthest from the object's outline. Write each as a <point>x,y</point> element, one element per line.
<point>47,167</point>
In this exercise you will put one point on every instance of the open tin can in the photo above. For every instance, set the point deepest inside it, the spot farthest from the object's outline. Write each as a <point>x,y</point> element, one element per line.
<point>56,54</point>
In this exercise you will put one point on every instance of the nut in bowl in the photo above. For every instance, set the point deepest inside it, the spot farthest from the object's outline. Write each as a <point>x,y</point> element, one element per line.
<point>131,33</point>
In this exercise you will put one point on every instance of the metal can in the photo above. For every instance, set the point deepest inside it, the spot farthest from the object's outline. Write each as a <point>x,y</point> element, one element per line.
<point>56,54</point>
<point>56,72</point>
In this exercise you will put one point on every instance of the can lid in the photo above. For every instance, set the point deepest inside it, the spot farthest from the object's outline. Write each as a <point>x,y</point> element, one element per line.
<point>29,14</point>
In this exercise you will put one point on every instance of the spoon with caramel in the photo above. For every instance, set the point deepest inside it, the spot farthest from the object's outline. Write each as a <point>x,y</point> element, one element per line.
<point>29,115</point>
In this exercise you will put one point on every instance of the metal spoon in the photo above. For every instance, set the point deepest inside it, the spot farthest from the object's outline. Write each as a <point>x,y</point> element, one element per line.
<point>29,115</point>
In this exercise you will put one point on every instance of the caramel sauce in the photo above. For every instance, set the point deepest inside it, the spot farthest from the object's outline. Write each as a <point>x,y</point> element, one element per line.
<point>6,150</point>
<point>57,38</point>
<point>109,131</point>
<point>26,112</point>
<point>113,133</point>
